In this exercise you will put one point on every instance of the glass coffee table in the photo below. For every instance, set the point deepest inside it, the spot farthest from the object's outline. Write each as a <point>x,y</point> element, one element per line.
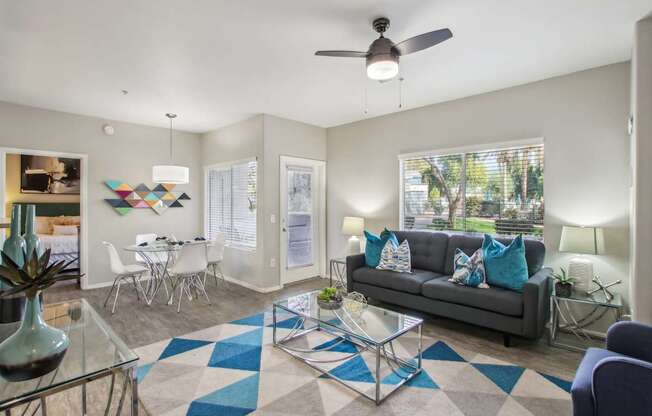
<point>95,352</point>
<point>373,331</point>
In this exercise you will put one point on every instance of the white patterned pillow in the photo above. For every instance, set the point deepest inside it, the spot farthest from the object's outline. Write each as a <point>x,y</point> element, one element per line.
<point>394,258</point>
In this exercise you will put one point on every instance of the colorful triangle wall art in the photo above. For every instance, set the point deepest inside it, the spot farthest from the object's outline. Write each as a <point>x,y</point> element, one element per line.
<point>158,198</point>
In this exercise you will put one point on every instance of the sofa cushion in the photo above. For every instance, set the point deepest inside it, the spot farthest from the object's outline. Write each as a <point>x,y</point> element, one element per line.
<point>402,282</point>
<point>535,251</point>
<point>495,299</point>
<point>428,249</point>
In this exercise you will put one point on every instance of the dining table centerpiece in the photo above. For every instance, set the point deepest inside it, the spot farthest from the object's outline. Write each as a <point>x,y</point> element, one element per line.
<point>36,348</point>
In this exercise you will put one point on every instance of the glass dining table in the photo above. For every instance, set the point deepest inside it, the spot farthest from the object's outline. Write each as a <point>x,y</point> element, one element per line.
<point>158,256</point>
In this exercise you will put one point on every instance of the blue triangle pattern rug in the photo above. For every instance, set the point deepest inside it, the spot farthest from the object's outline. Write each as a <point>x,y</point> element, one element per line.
<point>233,369</point>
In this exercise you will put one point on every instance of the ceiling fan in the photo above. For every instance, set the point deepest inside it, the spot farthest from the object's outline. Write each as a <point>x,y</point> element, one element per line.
<point>383,54</point>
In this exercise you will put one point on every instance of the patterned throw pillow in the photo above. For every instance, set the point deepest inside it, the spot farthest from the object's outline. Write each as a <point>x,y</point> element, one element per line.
<point>469,271</point>
<point>395,258</point>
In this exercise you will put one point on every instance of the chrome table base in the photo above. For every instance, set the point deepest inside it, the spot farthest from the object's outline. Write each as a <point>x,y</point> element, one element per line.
<point>405,369</point>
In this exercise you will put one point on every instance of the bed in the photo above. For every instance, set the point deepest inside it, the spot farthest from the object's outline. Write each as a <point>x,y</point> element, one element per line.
<point>52,219</point>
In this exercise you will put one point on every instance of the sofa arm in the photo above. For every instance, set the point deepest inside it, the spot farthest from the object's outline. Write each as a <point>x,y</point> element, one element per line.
<point>633,339</point>
<point>621,386</point>
<point>352,263</point>
<point>536,303</point>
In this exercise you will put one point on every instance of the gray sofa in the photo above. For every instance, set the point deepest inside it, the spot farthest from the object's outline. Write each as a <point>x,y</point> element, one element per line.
<point>427,288</point>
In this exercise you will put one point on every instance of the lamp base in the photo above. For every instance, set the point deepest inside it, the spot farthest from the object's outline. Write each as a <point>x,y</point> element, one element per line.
<point>581,269</point>
<point>353,246</point>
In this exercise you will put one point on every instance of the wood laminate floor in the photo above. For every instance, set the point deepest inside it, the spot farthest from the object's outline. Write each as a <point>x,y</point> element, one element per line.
<point>140,325</point>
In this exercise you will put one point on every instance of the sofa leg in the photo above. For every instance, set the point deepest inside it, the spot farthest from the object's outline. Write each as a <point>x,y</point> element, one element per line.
<point>507,340</point>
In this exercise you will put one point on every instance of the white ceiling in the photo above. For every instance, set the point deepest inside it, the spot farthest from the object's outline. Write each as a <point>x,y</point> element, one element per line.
<point>219,61</point>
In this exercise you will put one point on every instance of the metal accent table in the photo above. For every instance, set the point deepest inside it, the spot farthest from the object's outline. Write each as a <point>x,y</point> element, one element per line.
<point>95,352</point>
<point>368,327</point>
<point>563,316</point>
<point>338,266</point>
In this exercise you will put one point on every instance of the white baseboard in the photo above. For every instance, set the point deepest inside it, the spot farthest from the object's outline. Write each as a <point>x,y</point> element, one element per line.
<point>253,287</point>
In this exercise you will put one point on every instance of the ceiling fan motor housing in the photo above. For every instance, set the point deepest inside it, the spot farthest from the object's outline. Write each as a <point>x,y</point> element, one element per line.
<point>382,60</point>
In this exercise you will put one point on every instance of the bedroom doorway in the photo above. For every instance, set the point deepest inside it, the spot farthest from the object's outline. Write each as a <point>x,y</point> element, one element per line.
<point>56,184</point>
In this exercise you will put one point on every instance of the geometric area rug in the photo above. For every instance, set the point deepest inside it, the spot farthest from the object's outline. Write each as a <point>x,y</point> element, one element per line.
<point>233,370</point>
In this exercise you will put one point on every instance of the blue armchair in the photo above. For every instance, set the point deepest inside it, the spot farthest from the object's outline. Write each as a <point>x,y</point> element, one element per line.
<point>618,380</point>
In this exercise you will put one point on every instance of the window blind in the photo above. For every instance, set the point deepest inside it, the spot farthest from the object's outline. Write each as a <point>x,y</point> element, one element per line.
<point>231,203</point>
<point>490,191</point>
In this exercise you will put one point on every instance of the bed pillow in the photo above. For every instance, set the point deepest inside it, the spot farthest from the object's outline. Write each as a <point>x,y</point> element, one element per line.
<point>43,225</point>
<point>67,220</point>
<point>375,245</point>
<point>469,271</point>
<point>505,266</point>
<point>64,229</point>
<point>395,258</point>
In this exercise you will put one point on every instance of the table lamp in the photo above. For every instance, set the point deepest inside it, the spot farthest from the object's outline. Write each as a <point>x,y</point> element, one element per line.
<point>581,240</point>
<point>354,227</point>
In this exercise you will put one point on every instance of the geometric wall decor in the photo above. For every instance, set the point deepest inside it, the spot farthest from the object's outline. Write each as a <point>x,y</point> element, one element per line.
<point>159,198</point>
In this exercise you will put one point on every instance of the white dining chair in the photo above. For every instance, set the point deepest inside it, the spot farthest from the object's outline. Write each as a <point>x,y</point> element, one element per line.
<point>123,273</point>
<point>216,256</point>
<point>188,269</point>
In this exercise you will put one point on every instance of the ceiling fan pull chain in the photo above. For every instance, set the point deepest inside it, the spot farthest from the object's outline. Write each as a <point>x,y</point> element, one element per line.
<point>400,92</point>
<point>366,108</point>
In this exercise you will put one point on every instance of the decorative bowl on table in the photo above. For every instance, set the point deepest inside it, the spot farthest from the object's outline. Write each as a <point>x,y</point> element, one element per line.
<point>330,298</point>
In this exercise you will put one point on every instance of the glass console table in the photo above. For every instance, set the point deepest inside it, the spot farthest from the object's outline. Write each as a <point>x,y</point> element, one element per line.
<point>95,352</point>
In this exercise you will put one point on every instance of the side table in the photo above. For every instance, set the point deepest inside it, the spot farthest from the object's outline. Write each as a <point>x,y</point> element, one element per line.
<point>338,268</point>
<point>565,315</point>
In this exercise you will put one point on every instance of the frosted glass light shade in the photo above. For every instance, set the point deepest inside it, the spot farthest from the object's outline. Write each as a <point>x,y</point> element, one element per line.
<point>581,240</point>
<point>352,226</point>
<point>382,70</point>
<point>170,174</point>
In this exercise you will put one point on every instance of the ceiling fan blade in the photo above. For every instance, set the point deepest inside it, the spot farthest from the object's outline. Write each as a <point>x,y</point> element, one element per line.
<point>423,41</point>
<point>342,54</point>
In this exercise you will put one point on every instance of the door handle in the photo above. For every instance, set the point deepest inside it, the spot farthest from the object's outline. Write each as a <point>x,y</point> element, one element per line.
<point>284,230</point>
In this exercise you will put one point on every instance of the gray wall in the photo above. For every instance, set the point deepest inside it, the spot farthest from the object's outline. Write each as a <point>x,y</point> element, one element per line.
<point>239,141</point>
<point>641,236</point>
<point>582,117</point>
<point>284,138</point>
<point>128,155</point>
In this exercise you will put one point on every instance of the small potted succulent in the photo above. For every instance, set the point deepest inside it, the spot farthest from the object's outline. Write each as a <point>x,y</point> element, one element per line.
<point>329,298</point>
<point>35,348</point>
<point>563,283</point>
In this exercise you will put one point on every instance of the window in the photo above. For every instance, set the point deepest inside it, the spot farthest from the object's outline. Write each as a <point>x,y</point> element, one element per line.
<point>496,191</point>
<point>231,198</point>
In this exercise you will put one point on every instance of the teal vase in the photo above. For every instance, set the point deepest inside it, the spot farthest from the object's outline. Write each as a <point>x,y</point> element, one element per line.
<point>15,244</point>
<point>32,242</point>
<point>34,349</point>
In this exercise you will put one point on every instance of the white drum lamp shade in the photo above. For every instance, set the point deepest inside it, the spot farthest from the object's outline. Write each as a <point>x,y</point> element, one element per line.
<point>581,240</point>
<point>353,226</point>
<point>170,174</point>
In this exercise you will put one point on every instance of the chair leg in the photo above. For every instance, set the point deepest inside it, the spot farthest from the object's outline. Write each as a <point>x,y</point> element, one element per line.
<point>133,280</point>
<point>117,293</point>
<point>181,284</point>
<point>214,267</point>
<point>115,281</point>
<point>202,289</point>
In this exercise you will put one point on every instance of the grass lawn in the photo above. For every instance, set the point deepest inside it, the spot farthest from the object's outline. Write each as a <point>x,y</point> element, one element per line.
<point>483,225</point>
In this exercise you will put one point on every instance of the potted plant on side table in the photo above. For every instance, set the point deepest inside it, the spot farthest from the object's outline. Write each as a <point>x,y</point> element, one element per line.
<point>563,283</point>
<point>330,298</point>
<point>35,348</point>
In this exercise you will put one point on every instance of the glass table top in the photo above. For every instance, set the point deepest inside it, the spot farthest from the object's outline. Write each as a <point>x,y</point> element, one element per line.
<point>94,348</point>
<point>368,323</point>
<point>598,298</point>
<point>162,245</point>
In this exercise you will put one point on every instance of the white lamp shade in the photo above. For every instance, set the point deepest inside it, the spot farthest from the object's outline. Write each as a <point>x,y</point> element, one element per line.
<point>352,226</point>
<point>581,240</point>
<point>170,174</point>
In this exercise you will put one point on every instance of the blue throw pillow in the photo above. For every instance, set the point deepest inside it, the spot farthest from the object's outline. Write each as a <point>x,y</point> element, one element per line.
<point>375,246</point>
<point>469,271</point>
<point>505,266</point>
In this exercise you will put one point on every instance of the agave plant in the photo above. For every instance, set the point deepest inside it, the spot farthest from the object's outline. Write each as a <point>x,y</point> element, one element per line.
<point>35,275</point>
<point>563,278</point>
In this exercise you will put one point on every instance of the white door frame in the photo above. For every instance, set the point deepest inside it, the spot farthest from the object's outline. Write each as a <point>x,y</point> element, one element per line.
<point>83,197</point>
<point>320,168</point>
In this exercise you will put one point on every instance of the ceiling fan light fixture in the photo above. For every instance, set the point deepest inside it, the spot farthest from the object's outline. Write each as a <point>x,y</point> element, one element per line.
<point>382,67</point>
